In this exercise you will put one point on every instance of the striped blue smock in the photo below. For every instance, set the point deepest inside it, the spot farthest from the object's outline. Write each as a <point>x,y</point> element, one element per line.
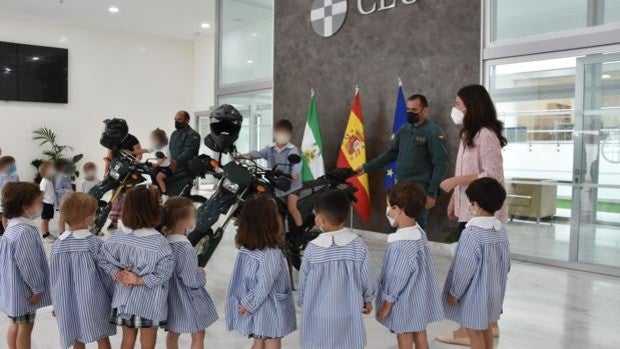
<point>81,290</point>
<point>260,282</point>
<point>148,254</point>
<point>409,281</point>
<point>335,280</point>
<point>190,308</point>
<point>478,274</point>
<point>23,269</point>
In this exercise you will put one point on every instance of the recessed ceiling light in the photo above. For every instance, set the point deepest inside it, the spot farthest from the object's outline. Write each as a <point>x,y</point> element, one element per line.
<point>205,25</point>
<point>113,9</point>
<point>35,58</point>
<point>249,61</point>
<point>606,76</point>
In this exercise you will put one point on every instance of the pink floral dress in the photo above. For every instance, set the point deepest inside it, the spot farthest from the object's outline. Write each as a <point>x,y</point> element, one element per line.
<point>484,159</point>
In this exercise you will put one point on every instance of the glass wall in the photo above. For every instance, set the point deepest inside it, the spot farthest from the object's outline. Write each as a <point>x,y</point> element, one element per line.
<point>257,111</point>
<point>520,18</point>
<point>246,31</point>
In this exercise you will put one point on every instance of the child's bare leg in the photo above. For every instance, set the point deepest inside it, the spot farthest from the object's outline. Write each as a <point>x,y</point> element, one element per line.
<point>476,338</point>
<point>495,329</point>
<point>148,337</point>
<point>198,340</point>
<point>258,344</point>
<point>420,340</point>
<point>11,336</point>
<point>405,340</point>
<point>273,343</point>
<point>79,345</point>
<point>45,227</point>
<point>24,332</point>
<point>291,204</point>
<point>172,340</point>
<point>104,343</point>
<point>161,181</point>
<point>488,338</point>
<point>129,337</point>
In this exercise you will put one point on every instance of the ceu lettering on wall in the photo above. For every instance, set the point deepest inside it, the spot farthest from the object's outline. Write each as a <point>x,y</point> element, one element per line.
<point>328,16</point>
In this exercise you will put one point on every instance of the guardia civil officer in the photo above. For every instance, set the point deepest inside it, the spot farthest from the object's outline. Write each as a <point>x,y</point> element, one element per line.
<point>184,142</point>
<point>419,150</point>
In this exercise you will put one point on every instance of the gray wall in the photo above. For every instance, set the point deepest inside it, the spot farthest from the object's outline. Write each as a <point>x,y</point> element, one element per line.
<point>433,45</point>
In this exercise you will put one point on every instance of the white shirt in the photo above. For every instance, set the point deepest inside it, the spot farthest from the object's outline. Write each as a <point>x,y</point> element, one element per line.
<point>47,188</point>
<point>87,185</point>
<point>409,233</point>
<point>340,237</point>
<point>166,151</point>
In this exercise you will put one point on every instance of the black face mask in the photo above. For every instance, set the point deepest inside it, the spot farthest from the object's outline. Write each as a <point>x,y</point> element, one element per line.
<point>179,125</point>
<point>412,117</point>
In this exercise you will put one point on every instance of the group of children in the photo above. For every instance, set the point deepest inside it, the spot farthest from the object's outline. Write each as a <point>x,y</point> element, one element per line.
<point>139,278</point>
<point>337,285</point>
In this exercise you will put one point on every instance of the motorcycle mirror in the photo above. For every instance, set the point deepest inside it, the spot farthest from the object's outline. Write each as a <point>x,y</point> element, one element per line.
<point>294,159</point>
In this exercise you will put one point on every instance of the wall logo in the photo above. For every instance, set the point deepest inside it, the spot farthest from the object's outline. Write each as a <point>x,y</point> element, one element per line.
<point>328,16</point>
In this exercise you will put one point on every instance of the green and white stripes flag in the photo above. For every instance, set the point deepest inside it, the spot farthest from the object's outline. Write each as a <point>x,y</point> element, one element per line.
<point>312,145</point>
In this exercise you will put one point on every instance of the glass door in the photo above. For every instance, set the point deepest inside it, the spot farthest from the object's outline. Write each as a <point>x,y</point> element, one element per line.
<point>595,213</point>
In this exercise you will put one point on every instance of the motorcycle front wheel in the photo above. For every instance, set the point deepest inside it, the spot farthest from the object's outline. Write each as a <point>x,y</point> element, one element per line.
<point>207,245</point>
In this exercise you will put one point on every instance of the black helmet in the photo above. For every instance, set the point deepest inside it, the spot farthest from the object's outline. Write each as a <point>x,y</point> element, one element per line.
<point>225,126</point>
<point>114,132</point>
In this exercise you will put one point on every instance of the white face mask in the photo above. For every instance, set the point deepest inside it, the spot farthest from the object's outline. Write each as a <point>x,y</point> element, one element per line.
<point>90,174</point>
<point>282,138</point>
<point>191,229</point>
<point>457,116</point>
<point>392,221</point>
<point>36,214</point>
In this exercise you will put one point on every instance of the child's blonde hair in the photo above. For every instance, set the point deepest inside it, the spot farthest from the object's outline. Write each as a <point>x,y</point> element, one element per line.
<point>44,167</point>
<point>77,206</point>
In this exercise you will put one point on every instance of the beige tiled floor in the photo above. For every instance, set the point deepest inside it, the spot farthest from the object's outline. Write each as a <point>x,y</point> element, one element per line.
<point>545,308</point>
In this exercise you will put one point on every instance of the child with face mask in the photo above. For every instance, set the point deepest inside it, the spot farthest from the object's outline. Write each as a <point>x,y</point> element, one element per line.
<point>476,282</point>
<point>408,298</point>
<point>47,172</point>
<point>81,291</point>
<point>90,177</point>
<point>190,308</point>
<point>336,282</point>
<point>277,157</point>
<point>161,165</point>
<point>24,285</point>
<point>8,173</point>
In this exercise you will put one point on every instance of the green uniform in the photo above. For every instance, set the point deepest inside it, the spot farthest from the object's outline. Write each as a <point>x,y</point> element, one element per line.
<point>421,157</point>
<point>184,146</point>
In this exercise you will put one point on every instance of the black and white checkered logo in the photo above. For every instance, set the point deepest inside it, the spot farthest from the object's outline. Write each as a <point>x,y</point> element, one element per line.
<point>327,16</point>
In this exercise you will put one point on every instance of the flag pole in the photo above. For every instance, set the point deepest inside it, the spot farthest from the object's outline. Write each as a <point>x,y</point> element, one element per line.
<point>311,92</point>
<point>400,82</point>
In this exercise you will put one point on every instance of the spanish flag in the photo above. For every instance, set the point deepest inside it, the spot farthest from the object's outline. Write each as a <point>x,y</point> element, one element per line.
<point>353,154</point>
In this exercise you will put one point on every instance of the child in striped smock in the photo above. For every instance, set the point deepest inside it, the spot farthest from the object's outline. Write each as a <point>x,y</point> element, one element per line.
<point>190,308</point>
<point>259,303</point>
<point>140,260</point>
<point>24,273</point>
<point>336,282</point>
<point>408,298</point>
<point>81,291</point>
<point>476,282</point>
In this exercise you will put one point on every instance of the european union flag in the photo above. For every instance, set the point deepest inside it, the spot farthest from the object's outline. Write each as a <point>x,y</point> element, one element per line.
<point>400,118</point>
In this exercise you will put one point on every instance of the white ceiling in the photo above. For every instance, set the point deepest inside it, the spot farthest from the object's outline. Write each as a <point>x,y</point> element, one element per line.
<point>177,19</point>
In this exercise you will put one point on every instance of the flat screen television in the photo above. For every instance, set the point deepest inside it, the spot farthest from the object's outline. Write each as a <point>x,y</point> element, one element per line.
<point>33,73</point>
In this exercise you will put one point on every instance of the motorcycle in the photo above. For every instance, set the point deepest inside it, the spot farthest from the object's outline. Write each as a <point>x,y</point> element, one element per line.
<point>126,171</point>
<point>242,178</point>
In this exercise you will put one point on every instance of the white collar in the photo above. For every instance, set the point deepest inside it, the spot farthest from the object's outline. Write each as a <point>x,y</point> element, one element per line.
<point>172,238</point>
<point>20,220</point>
<point>141,232</point>
<point>485,223</point>
<point>409,233</point>
<point>287,146</point>
<point>78,234</point>
<point>340,237</point>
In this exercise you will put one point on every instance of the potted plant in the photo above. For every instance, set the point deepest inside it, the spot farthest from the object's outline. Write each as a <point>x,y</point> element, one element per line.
<point>55,152</point>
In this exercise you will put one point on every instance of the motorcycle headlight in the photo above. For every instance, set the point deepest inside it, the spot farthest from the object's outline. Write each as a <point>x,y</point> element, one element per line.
<point>114,174</point>
<point>230,186</point>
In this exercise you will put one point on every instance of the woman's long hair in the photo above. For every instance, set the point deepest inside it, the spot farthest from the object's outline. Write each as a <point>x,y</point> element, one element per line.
<point>480,113</point>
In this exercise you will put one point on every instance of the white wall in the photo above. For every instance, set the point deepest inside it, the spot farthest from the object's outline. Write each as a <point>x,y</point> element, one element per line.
<point>141,78</point>
<point>204,69</point>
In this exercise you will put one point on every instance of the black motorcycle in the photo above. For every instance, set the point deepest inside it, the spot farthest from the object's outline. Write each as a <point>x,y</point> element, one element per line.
<point>242,178</point>
<point>126,171</point>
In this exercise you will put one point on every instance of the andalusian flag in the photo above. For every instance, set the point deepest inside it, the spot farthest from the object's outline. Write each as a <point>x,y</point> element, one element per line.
<point>400,118</point>
<point>353,154</point>
<point>312,145</point>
